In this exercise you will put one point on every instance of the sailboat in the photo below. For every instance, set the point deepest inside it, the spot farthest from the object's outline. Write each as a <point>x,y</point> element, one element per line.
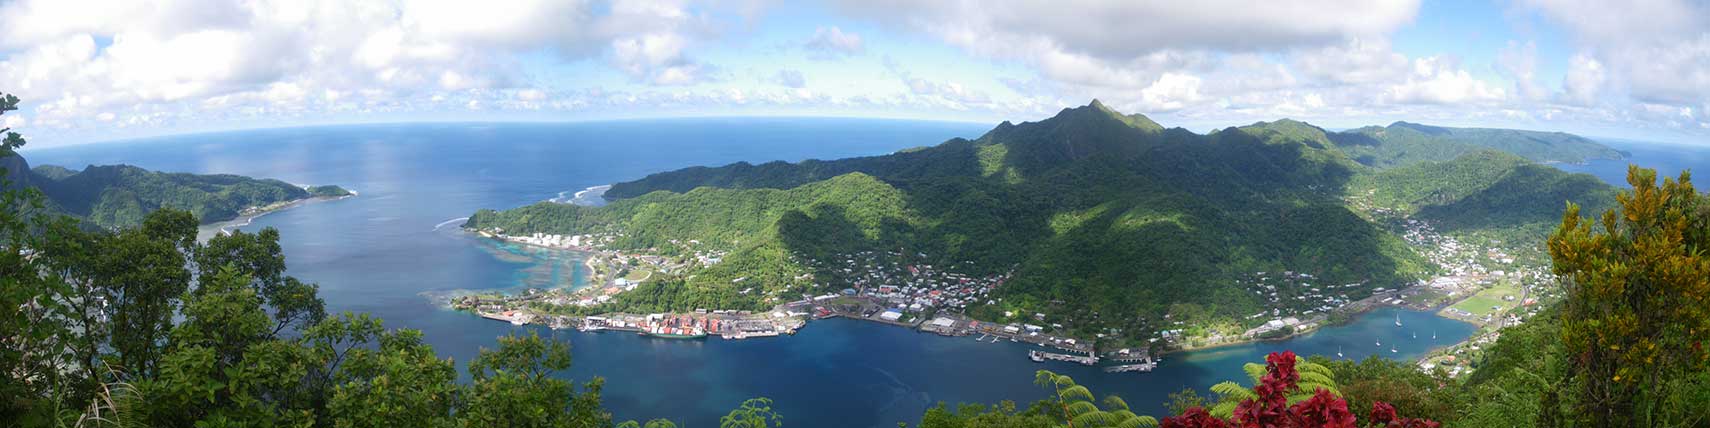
<point>1415,335</point>
<point>1338,352</point>
<point>1380,342</point>
<point>1391,349</point>
<point>1398,320</point>
<point>1433,334</point>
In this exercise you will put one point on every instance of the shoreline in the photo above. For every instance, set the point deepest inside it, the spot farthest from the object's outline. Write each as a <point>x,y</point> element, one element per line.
<point>209,230</point>
<point>1357,309</point>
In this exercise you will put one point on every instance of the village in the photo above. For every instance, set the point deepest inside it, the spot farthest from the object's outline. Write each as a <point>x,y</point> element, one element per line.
<point>1478,283</point>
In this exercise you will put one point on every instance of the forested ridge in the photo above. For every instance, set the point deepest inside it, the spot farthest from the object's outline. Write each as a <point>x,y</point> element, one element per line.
<point>1095,212</point>
<point>114,196</point>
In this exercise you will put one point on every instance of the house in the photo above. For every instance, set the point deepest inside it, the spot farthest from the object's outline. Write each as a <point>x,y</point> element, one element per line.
<point>891,315</point>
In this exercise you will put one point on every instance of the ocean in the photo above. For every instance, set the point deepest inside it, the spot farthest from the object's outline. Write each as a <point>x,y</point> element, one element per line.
<point>395,250</point>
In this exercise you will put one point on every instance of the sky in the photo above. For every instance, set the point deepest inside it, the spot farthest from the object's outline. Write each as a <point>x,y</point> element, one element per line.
<point>91,71</point>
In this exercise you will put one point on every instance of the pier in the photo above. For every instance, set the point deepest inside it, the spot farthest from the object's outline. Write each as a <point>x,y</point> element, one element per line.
<point>1041,356</point>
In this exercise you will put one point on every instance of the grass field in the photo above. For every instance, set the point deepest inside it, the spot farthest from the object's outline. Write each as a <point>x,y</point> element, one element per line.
<point>1489,300</point>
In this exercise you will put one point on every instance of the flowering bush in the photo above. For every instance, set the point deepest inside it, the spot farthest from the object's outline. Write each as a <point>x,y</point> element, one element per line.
<point>1268,407</point>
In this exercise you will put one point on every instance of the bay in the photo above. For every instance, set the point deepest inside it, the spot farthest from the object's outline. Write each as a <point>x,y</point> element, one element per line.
<point>396,245</point>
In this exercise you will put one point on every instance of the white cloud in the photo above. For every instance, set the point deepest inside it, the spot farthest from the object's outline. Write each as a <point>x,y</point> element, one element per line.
<point>1438,80</point>
<point>72,59</point>
<point>1171,92</point>
<point>531,94</point>
<point>1355,61</point>
<point>831,42</point>
<point>1585,79</point>
<point>1658,50</point>
<point>1125,30</point>
<point>1520,62</point>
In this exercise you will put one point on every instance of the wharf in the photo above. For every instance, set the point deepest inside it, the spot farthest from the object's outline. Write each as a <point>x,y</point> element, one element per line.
<point>1041,356</point>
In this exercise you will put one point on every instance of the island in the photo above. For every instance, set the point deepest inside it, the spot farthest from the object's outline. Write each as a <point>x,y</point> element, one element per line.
<point>1096,232</point>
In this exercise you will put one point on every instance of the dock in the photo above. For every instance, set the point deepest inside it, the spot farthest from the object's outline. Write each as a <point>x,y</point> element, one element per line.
<point>1041,356</point>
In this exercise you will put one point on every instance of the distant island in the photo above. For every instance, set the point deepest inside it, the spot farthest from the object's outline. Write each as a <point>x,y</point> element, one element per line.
<point>1092,225</point>
<point>118,196</point>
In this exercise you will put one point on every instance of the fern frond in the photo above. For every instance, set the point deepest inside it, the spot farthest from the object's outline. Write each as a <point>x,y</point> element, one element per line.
<point>1229,390</point>
<point>1254,371</point>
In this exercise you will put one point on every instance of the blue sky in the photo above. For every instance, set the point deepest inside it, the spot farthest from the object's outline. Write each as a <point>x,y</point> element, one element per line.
<point>94,71</point>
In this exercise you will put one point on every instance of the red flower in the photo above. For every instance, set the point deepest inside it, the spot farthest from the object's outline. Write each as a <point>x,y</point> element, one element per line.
<point>1322,410</point>
<point>1382,413</point>
<point>1194,418</point>
<point>1281,369</point>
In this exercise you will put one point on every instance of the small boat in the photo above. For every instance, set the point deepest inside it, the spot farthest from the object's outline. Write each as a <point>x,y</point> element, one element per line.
<point>1433,334</point>
<point>1415,335</point>
<point>1391,349</point>
<point>1380,343</point>
<point>1338,352</point>
<point>1398,320</point>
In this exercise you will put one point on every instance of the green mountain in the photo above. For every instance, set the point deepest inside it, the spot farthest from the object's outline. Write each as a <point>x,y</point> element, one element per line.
<point>1100,219</point>
<point>1490,193</point>
<point>1403,143</point>
<point>114,196</point>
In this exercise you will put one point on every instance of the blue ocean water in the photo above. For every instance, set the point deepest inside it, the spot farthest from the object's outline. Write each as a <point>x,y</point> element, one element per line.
<point>1669,160</point>
<point>387,250</point>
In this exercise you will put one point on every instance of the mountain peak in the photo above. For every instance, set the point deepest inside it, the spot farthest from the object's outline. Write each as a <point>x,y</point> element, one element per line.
<point>1098,109</point>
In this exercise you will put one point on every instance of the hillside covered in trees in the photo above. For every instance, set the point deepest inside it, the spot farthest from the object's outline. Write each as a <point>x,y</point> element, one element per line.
<point>114,196</point>
<point>1094,213</point>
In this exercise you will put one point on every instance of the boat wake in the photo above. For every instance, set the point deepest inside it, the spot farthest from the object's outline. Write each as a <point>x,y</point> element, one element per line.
<point>447,222</point>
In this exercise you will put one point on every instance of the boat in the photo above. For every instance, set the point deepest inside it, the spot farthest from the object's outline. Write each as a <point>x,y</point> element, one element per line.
<point>1398,320</point>
<point>684,336</point>
<point>1380,343</point>
<point>1415,335</point>
<point>1391,349</point>
<point>1036,356</point>
<point>1433,334</point>
<point>1338,352</point>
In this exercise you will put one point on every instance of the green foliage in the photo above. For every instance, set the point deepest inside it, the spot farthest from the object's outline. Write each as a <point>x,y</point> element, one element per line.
<point>1313,377</point>
<point>1000,415</point>
<point>1402,144</point>
<point>328,191</point>
<point>1402,385</point>
<point>753,413</point>
<point>114,196</point>
<point>1074,405</point>
<point>1637,312</point>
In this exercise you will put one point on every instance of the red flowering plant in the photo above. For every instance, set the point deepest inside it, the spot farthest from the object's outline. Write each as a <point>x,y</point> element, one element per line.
<point>1285,379</point>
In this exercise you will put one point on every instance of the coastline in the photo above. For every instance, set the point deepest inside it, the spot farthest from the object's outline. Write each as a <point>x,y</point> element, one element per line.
<point>209,230</point>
